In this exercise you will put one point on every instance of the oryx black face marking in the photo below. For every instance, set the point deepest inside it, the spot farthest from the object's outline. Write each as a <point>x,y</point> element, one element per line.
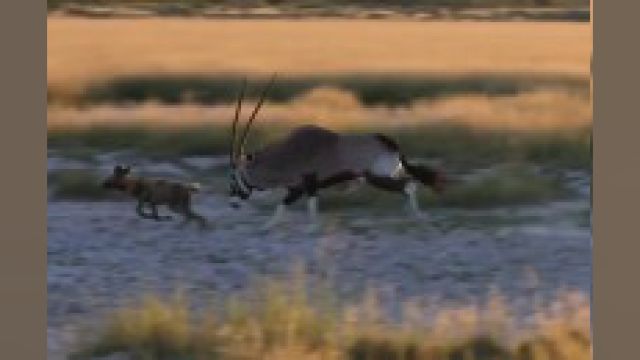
<point>153,193</point>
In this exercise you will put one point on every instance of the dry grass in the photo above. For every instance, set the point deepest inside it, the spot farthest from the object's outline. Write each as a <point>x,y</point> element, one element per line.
<point>543,110</point>
<point>280,319</point>
<point>544,127</point>
<point>82,50</point>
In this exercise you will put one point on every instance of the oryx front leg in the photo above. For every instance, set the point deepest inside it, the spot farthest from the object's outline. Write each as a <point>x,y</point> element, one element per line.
<point>276,218</point>
<point>311,188</point>
<point>293,194</point>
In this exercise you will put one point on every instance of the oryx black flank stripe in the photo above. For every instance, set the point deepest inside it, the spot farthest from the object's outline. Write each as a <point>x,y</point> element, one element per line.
<point>424,174</point>
<point>388,142</point>
<point>337,179</point>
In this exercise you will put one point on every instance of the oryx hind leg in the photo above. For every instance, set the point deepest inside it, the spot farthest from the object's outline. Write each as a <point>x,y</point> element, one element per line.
<point>399,185</point>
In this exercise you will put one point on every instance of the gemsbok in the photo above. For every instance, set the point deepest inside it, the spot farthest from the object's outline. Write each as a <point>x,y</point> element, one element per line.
<point>311,158</point>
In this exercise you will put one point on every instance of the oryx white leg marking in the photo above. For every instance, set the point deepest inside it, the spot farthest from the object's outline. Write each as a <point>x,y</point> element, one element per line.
<point>277,216</point>
<point>312,207</point>
<point>410,189</point>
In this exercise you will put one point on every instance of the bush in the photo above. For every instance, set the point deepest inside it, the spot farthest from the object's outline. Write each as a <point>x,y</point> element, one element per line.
<point>511,184</point>
<point>77,185</point>
<point>280,319</point>
<point>370,89</point>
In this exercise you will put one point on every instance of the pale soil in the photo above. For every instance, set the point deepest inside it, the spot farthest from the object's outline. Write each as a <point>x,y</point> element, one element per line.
<point>101,255</point>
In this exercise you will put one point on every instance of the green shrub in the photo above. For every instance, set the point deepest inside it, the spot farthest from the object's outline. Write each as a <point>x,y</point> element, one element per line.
<point>77,185</point>
<point>370,89</point>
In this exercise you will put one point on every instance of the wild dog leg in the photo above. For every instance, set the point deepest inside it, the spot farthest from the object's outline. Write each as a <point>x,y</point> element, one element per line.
<point>184,208</point>
<point>140,212</point>
<point>190,215</point>
<point>155,215</point>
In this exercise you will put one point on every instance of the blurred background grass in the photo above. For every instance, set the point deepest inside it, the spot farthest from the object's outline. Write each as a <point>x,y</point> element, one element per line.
<point>168,92</point>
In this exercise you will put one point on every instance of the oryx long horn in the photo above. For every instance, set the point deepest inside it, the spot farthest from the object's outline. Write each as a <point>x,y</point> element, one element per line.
<point>243,137</point>
<point>233,151</point>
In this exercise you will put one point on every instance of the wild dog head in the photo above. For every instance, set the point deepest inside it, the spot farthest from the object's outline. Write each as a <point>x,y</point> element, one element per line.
<point>118,179</point>
<point>239,187</point>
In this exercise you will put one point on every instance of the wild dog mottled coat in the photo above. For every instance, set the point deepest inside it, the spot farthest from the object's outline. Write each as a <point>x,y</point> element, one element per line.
<point>154,192</point>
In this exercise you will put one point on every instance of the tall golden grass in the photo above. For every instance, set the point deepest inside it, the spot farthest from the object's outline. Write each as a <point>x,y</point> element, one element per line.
<point>82,50</point>
<point>280,319</point>
<point>539,111</point>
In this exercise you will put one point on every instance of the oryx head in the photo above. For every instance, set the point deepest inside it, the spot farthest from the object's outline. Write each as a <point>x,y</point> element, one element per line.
<point>239,187</point>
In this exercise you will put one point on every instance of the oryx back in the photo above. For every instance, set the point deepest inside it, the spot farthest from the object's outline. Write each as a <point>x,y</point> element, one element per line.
<point>324,153</point>
<point>369,153</point>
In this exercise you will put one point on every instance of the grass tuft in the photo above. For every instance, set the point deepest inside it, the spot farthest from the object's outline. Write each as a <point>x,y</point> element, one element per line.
<point>282,319</point>
<point>505,185</point>
<point>369,89</point>
<point>508,184</point>
<point>458,147</point>
<point>77,185</point>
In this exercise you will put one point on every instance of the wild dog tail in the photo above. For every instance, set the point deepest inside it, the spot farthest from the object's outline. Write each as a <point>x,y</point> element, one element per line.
<point>195,187</point>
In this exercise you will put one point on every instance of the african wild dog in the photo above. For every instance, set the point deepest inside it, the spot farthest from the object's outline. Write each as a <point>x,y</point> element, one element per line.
<point>154,192</point>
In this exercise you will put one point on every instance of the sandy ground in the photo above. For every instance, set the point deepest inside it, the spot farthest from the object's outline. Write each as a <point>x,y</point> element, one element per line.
<point>101,255</point>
